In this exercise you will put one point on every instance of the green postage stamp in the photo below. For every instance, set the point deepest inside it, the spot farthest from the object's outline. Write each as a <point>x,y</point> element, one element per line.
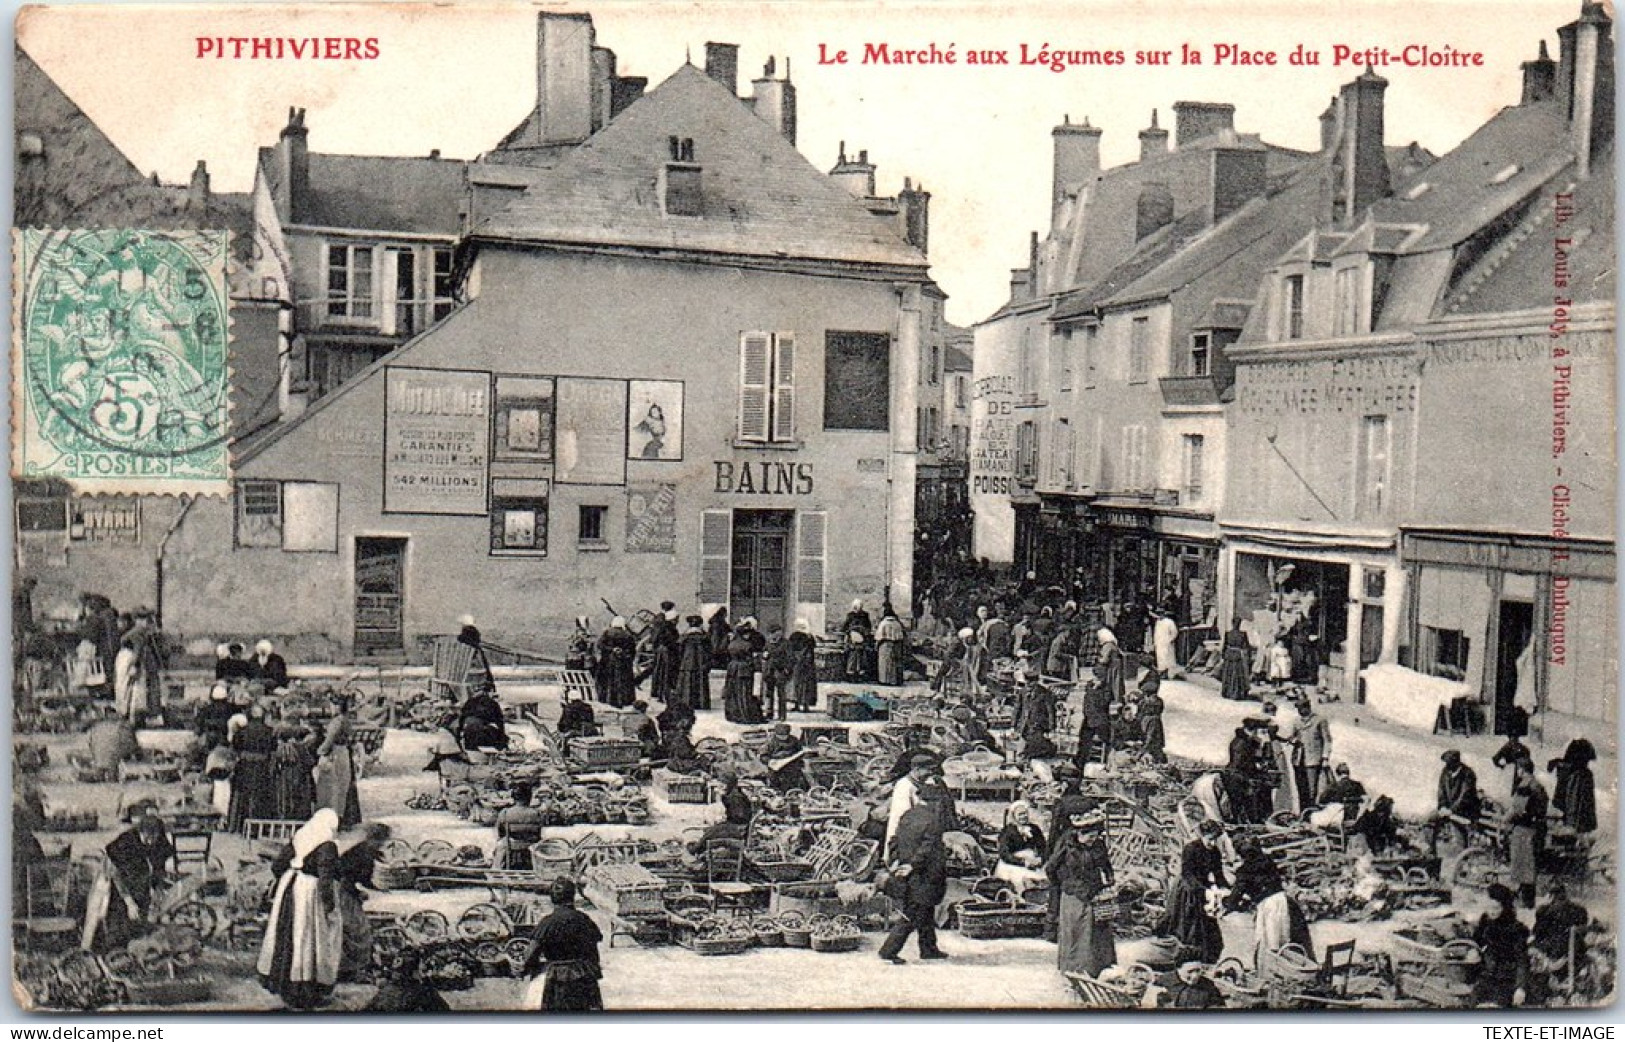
<point>119,377</point>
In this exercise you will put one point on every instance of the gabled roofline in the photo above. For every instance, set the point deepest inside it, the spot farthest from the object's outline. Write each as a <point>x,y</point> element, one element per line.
<point>817,266</point>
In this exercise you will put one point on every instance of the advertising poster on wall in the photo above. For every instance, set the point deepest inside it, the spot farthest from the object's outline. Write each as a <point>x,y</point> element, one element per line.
<point>591,431</point>
<point>436,425</point>
<point>651,519</point>
<point>654,420</point>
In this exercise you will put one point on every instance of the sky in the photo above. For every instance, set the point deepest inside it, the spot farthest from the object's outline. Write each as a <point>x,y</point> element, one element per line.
<point>976,136</point>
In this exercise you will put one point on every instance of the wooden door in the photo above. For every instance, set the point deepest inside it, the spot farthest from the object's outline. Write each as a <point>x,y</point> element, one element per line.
<point>380,593</point>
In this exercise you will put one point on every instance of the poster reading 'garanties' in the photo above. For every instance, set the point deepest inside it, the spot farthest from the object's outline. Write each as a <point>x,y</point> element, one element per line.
<point>436,429</point>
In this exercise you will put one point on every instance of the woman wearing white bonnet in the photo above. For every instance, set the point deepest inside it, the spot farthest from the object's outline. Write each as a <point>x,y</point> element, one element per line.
<point>304,937</point>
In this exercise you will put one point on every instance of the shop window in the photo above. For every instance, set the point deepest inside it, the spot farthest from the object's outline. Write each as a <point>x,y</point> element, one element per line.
<point>259,513</point>
<point>1139,351</point>
<point>1201,346</point>
<point>1293,311</point>
<point>349,282</point>
<point>857,382</point>
<point>590,524</point>
<point>519,517</point>
<point>523,419</point>
<point>1445,652</point>
<point>767,387</point>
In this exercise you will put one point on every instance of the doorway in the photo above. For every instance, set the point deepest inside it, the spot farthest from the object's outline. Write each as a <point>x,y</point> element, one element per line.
<point>1515,628</point>
<point>380,594</point>
<point>760,579</point>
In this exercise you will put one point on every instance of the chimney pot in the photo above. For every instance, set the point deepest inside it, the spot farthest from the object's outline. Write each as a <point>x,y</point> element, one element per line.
<point>1153,139</point>
<point>565,74</point>
<point>1195,120</point>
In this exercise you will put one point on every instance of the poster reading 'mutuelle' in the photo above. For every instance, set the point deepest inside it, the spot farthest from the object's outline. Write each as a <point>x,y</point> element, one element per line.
<point>436,437</point>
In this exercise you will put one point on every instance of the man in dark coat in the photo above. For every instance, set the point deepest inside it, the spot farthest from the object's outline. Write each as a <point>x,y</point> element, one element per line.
<point>1459,804</point>
<point>693,667</point>
<point>663,641</point>
<point>720,631</point>
<point>565,948</point>
<point>1243,776</point>
<point>1503,944</point>
<point>481,724</point>
<point>786,751</point>
<point>617,653</point>
<point>922,862</point>
<point>1094,737</point>
<point>1576,792</point>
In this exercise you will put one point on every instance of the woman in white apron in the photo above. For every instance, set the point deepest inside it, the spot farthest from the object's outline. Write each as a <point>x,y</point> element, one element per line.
<point>304,938</point>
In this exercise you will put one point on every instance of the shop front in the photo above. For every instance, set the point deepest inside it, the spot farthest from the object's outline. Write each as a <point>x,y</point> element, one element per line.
<point>1520,620</point>
<point>1333,605</point>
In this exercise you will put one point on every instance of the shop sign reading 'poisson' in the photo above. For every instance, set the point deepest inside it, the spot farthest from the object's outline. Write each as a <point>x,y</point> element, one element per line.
<point>764,478</point>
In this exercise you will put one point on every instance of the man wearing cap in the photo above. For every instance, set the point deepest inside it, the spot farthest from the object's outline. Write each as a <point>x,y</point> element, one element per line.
<point>921,861</point>
<point>1095,735</point>
<point>1314,749</point>
<point>1344,790</point>
<point>1458,800</point>
<point>905,795</point>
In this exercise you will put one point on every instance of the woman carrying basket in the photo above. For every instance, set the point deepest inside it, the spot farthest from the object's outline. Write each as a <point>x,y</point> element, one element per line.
<point>1082,870</point>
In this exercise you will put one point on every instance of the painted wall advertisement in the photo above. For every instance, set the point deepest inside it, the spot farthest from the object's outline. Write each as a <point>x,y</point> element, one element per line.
<point>993,465</point>
<point>436,428</point>
<point>651,519</point>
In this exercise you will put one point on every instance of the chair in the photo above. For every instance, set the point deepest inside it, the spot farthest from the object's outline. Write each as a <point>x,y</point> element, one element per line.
<point>1336,967</point>
<point>45,921</point>
<point>191,848</point>
<point>724,865</point>
<point>453,661</point>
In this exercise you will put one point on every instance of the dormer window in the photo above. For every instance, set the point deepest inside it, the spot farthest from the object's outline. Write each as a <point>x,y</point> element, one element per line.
<point>1347,319</point>
<point>1201,353</point>
<point>680,194</point>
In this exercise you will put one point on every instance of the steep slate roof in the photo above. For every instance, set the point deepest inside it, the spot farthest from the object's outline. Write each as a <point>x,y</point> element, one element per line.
<point>410,194</point>
<point>760,196</point>
<point>1147,257</point>
<point>956,361</point>
<point>1462,196</point>
<point>1519,276</point>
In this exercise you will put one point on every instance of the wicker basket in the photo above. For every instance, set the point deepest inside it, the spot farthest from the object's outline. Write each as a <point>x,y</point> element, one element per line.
<point>624,890</point>
<point>768,934</point>
<point>795,930</point>
<point>838,942</point>
<point>552,858</point>
<point>1097,995</point>
<point>990,920</point>
<point>492,960</point>
<point>789,870</point>
<point>387,876</point>
<point>684,788</point>
<point>721,945</point>
<point>605,752</point>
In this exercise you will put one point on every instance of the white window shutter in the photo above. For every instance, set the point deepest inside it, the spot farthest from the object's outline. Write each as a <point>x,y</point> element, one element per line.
<point>811,531</point>
<point>753,388</point>
<point>784,399</point>
<point>716,555</point>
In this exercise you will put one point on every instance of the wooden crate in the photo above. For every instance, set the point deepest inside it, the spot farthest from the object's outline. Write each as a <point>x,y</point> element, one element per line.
<point>624,890</point>
<point>605,752</point>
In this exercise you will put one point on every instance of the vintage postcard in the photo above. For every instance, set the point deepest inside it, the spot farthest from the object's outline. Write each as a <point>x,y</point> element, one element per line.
<point>814,506</point>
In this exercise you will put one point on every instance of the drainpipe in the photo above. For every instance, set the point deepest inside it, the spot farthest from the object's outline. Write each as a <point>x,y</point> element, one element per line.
<point>163,545</point>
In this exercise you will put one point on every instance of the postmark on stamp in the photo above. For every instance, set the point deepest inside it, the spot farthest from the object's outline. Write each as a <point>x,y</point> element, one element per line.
<point>119,370</point>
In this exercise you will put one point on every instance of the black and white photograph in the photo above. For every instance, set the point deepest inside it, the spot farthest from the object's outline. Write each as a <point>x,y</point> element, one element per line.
<point>805,507</point>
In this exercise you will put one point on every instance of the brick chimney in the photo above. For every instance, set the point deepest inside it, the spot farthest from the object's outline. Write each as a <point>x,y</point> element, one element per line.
<point>1195,120</point>
<point>564,79</point>
<point>293,165</point>
<point>1585,82</point>
<point>1077,155</point>
<point>1238,178</point>
<point>1153,139</point>
<point>1539,78</point>
<point>197,189</point>
<point>1328,127</point>
<point>624,91</point>
<point>775,100</point>
<point>1360,167</point>
<point>722,64</point>
<point>915,202</point>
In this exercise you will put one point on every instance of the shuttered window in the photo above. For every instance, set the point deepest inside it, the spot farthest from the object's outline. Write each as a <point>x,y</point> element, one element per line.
<point>767,387</point>
<point>811,566</point>
<point>716,544</point>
